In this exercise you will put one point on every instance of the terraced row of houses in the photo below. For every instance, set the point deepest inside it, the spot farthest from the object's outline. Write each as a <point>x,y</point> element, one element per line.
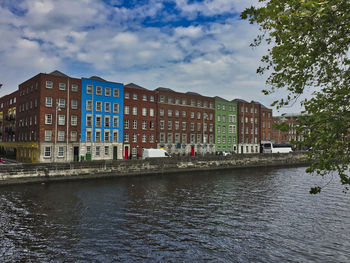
<point>56,118</point>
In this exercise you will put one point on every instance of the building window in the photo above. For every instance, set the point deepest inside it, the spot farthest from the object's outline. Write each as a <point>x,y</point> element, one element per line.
<point>126,137</point>
<point>144,125</point>
<point>161,125</point>
<point>73,136</point>
<point>144,97</point>
<point>106,150</point>
<point>98,90</point>
<point>107,121</point>
<point>97,151</point>
<point>61,120</point>
<point>115,92</point>
<point>88,136</point>
<point>74,104</point>
<point>106,136</point>
<point>89,105</point>
<point>151,125</point>
<point>89,89</point>
<point>177,113</point>
<point>89,120</point>
<point>74,87</point>
<point>62,86</point>
<point>98,121</point>
<point>198,115</point>
<point>151,112</point>
<point>184,114</point>
<point>48,118</point>
<point>60,151</point>
<point>134,137</point>
<point>107,107</point>
<point>127,95</point>
<point>170,125</point>
<point>98,136</point>
<point>151,138</point>
<point>161,98</point>
<point>144,111</point>
<point>134,110</point>
<point>134,124</point>
<point>162,137</point>
<point>60,136</point>
<point>126,110</point>
<point>151,98</point>
<point>161,112</point>
<point>184,126</point>
<point>108,92</point>
<point>62,103</point>
<point>47,151</point>
<point>116,122</point>
<point>49,84</point>
<point>144,137</point>
<point>170,100</point>
<point>170,137</point>
<point>48,136</point>
<point>170,113</point>
<point>134,96</point>
<point>98,106</point>
<point>126,124</point>
<point>48,102</point>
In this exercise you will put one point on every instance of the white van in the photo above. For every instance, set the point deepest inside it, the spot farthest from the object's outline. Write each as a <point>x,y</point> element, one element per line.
<point>154,153</point>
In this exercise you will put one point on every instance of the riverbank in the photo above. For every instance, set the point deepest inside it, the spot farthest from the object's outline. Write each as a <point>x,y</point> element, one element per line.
<point>39,173</point>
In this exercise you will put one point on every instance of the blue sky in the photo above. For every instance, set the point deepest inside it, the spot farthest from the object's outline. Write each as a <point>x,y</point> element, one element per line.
<point>186,45</point>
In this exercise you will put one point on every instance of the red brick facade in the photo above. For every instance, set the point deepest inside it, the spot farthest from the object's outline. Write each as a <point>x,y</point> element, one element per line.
<point>140,125</point>
<point>248,126</point>
<point>266,131</point>
<point>185,122</point>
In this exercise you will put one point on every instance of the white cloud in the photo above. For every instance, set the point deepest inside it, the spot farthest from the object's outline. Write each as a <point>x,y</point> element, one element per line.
<point>211,59</point>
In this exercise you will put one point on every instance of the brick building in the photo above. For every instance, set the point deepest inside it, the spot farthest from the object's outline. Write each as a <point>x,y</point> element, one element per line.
<point>140,120</point>
<point>45,105</point>
<point>286,136</point>
<point>185,122</point>
<point>266,127</point>
<point>248,126</point>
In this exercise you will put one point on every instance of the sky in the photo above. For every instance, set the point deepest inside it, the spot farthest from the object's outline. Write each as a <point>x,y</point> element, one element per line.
<point>186,45</point>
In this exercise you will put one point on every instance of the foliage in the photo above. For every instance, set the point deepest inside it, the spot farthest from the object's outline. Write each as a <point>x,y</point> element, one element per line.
<point>309,51</point>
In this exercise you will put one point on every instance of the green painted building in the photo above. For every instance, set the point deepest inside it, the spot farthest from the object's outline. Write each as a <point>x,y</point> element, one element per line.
<point>225,125</point>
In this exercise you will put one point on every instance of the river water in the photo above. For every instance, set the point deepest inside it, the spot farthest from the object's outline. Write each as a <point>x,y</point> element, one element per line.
<point>247,215</point>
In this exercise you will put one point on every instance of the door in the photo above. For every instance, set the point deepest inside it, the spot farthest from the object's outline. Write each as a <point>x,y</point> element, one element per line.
<point>242,149</point>
<point>76,153</point>
<point>126,152</point>
<point>115,153</point>
<point>192,150</point>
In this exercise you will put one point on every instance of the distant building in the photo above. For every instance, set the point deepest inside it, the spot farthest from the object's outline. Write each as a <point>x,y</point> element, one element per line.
<point>185,122</point>
<point>225,125</point>
<point>48,118</point>
<point>248,126</point>
<point>140,120</point>
<point>291,134</point>
<point>266,126</point>
<point>101,119</point>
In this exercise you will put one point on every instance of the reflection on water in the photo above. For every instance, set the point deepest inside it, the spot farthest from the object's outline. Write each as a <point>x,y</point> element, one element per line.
<point>248,215</point>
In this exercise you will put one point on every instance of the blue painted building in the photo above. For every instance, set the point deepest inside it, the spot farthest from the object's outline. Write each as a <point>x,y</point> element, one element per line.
<point>101,119</point>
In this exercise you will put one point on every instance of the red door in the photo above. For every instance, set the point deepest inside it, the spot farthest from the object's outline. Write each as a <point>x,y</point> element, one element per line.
<point>126,152</point>
<point>192,150</point>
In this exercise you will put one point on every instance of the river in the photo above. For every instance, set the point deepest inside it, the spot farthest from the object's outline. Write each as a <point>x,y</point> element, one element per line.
<point>245,215</point>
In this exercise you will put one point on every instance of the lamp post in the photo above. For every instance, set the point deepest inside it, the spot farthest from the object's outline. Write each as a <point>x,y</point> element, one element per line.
<point>57,109</point>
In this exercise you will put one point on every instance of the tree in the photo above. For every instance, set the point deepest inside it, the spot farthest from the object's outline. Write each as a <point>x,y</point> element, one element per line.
<point>309,44</point>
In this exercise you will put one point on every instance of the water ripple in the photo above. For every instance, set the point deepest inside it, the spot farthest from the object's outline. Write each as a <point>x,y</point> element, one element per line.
<point>248,215</point>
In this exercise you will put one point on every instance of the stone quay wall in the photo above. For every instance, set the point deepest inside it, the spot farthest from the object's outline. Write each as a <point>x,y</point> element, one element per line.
<point>30,173</point>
